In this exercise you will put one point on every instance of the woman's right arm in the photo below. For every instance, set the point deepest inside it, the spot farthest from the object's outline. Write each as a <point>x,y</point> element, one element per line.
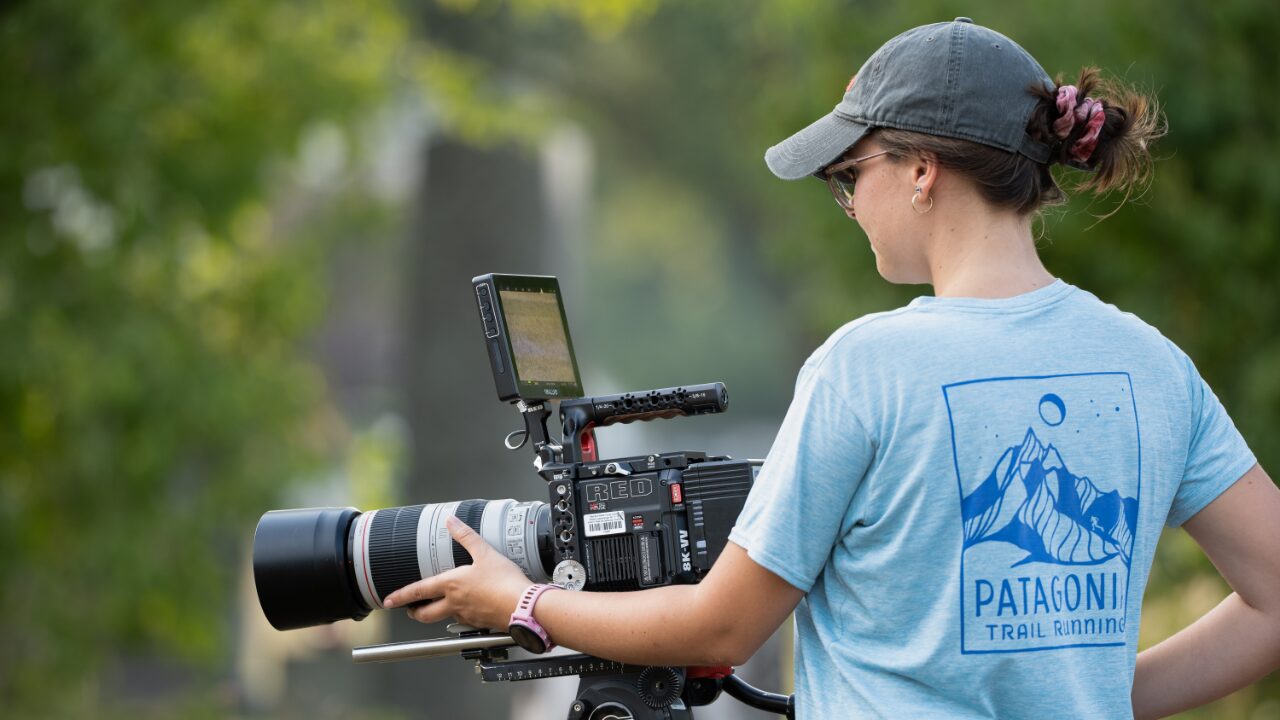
<point>722,620</point>
<point>1238,642</point>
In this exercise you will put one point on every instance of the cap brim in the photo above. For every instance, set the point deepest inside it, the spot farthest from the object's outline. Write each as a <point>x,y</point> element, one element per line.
<point>814,147</point>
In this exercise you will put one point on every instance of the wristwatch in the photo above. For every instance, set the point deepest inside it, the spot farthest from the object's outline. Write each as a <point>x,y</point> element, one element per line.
<point>523,628</point>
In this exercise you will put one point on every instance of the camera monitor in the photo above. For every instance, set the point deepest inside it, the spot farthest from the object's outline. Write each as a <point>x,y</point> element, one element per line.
<point>527,337</point>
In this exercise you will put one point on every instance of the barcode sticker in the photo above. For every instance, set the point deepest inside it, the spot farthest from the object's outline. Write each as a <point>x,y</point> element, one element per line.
<point>605,523</point>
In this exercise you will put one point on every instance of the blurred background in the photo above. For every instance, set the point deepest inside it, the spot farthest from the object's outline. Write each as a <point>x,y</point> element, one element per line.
<point>236,240</point>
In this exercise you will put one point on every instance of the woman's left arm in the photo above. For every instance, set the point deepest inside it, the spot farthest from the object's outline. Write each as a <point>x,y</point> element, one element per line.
<point>721,621</point>
<point>1238,642</point>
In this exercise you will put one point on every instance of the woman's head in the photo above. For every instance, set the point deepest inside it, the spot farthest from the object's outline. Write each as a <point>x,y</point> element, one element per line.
<point>969,119</point>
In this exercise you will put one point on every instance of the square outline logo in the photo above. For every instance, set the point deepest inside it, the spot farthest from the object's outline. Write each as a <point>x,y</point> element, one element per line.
<point>1054,401</point>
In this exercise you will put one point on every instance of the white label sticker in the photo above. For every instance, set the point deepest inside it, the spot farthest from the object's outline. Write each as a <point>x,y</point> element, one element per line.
<point>605,523</point>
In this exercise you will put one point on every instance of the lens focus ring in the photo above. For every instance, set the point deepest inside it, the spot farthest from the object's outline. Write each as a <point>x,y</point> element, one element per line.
<point>393,548</point>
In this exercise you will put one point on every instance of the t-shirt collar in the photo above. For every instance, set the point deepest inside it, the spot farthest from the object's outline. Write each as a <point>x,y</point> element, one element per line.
<point>1051,293</point>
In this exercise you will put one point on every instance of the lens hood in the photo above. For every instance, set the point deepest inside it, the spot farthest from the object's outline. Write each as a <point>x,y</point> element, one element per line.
<point>302,570</point>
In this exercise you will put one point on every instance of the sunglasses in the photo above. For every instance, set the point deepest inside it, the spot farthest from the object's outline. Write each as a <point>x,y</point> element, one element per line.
<point>840,178</point>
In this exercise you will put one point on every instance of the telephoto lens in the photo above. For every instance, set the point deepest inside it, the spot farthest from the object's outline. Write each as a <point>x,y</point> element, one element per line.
<point>319,565</point>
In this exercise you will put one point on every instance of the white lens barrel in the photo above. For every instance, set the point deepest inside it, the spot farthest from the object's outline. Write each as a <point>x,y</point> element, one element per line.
<point>515,534</point>
<point>382,545</point>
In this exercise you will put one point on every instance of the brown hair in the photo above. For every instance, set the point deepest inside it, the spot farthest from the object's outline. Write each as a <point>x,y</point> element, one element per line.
<point>1121,160</point>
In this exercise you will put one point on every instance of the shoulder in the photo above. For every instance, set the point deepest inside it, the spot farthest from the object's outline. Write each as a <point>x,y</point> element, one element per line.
<point>873,333</point>
<point>1161,361</point>
<point>869,350</point>
<point>1136,330</point>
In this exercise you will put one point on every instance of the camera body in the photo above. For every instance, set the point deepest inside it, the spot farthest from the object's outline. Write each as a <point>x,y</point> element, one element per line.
<point>645,521</point>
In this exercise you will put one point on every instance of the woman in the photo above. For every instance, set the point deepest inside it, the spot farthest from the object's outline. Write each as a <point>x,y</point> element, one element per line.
<point>963,502</point>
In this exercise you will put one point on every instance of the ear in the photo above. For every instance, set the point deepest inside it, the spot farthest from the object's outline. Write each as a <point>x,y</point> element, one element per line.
<point>924,173</point>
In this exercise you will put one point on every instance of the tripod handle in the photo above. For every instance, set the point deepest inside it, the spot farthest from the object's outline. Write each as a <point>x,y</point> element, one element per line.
<point>736,688</point>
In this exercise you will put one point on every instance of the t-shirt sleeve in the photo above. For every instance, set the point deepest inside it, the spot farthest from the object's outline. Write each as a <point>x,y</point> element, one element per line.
<point>1217,454</point>
<point>796,509</point>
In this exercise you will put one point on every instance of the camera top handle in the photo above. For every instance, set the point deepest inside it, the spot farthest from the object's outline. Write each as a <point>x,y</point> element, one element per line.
<point>580,416</point>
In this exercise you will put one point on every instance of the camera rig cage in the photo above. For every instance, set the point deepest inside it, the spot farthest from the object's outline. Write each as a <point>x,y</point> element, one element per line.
<point>633,507</point>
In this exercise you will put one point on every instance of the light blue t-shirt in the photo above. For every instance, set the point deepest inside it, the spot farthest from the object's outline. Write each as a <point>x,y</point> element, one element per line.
<point>970,493</point>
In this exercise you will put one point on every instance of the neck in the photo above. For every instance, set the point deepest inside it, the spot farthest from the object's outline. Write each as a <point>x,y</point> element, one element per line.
<point>984,255</point>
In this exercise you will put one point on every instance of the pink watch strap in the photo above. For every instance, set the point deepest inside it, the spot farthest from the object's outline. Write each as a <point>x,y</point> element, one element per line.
<point>523,615</point>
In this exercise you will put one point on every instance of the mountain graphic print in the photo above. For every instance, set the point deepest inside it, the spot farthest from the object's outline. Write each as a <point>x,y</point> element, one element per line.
<point>1049,473</point>
<point>1031,500</point>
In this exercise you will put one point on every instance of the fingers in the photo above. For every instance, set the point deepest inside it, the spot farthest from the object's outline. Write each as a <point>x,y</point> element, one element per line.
<point>465,536</point>
<point>426,589</point>
<point>432,612</point>
<point>433,588</point>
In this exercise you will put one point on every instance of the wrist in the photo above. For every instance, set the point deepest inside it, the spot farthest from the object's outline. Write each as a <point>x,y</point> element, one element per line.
<point>524,629</point>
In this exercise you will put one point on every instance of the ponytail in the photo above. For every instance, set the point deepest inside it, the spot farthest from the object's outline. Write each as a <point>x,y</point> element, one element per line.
<point>1100,126</point>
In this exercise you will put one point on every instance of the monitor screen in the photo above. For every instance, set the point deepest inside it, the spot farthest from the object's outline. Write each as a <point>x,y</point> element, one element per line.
<point>539,343</point>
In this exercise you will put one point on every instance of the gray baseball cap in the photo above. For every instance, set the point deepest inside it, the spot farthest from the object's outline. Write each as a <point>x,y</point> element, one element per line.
<point>953,79</point>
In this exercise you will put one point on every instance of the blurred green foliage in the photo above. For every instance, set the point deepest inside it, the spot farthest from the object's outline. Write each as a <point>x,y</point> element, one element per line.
<point>152,304</point>
<point>158,276</point>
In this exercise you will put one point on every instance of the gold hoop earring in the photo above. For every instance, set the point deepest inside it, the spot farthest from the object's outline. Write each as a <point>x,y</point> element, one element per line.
<point>917,209</point>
